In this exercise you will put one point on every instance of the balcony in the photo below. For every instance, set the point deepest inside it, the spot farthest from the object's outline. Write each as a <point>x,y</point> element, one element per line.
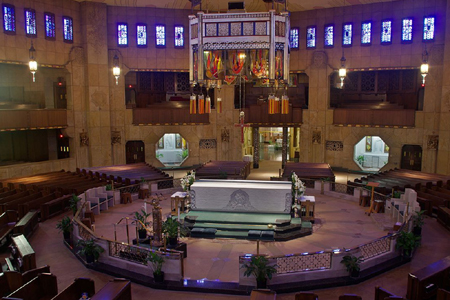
<point>259,115</point>
<point>26,119</point>
<point>374,117</point>
<point>166,115</point>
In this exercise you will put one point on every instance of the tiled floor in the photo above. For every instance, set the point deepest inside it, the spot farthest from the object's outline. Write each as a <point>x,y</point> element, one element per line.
<point>340,223</point>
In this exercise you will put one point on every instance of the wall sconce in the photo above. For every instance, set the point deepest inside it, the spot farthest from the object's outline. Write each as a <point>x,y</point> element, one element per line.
<point>116,68</point>
<point>424,66</point>
<point>342,70</point>
<point>32,63</point>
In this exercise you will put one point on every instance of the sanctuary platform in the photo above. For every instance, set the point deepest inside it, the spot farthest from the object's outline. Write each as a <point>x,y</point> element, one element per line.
<point>244,209</point>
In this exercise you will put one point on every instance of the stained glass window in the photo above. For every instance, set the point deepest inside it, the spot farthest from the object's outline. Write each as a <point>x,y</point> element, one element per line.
<point>366,33</point>
<point>386,32</point>
<point>49,26</point>
<point>160,35</point>
<point>347,31</point>
<point>141,35</point>
<point>407,25</point>
<point>122,34</point>
<point>311,37</point>
<point>68,29</point>
<point>9,18</point>
<point>179,36</point>
<point>294,38</point>
<point>329,36</point>
<point>428,28</point>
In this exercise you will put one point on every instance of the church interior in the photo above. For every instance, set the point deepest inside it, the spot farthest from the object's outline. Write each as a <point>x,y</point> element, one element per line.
<point>302,133</point>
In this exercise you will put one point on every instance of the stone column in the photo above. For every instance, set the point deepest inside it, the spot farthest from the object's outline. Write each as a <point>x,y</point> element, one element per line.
<point>284,148</point>
<point>97,82</point>
<point>255,147</point>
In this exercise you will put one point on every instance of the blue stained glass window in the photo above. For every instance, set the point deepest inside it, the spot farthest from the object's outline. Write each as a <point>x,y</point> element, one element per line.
<point>68,29</point>
<point>366,33</point>
<point>293,38</point>
<point>122,34</point>
<point>311,37</point>
<point>9,18</point>
<point>347,31</point>
<point>407,25</point>
<point>329,36</point>
<point>160,35</point>
<point>386,32</point>
<point>30,22</point>
<point>179,36</point>
<point>428,28</point>
<point>141,34</point>
<point>49,25</point>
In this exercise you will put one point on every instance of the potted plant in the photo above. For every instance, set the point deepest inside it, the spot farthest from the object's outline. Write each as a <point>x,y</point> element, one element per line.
<point>157,262</point>
<point>352,263</point>
<point>407,242</point>
<point>65,226</point>
<point>418,221</point>
<point>90,250</point>
<point>260,268</point>
<point>142,223</point>
<point>108,187</point>
<point>73,203</point>
<point>170,229</point>
<point>360,159</point>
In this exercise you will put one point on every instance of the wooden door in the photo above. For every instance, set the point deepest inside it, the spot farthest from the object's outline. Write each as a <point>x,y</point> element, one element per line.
<point>135,152</point>
<point>412,157</point>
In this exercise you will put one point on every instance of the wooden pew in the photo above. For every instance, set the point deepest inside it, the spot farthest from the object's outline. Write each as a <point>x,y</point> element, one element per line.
<point>7,222</point>
<point>381,294</point>
<point>116,289</point>
<point>28,224</point>
<point>54,207</point>
<point>424,283</point>
<point>14,204</point>
<point>20,248</point>
<point>443,295</point>
<point>43,286</point>
<point>15,279</point>
<point>306,296</point>
<point>76,289</point>
<point>24,208</point>
<point>350,297</point>
<point>443,216</point>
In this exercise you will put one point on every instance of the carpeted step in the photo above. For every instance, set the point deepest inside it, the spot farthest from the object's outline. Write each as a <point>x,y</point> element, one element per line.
<point>239,218</point>
<point>232,227</point>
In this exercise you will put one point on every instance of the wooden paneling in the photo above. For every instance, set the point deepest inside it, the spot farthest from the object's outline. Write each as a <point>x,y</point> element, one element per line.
<point>380,117</point>
<point>32,119</point>
<point>259,115</point>
<point>167,116</point>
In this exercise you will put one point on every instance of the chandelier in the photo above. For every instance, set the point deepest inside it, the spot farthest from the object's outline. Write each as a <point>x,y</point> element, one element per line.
<point>231,48</point>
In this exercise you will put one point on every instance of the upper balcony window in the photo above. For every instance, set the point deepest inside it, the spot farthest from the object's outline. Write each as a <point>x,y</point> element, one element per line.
<point>141,35</point>
<point>366,33</point>
<point>50,33</point>
<point>407,27</point>
<point>347,34</point>
<point>179,36</point>
<point>122,34</point>
<point>293,38</point>
<point>428,28</point>
<point>329,36</point>
<point>68,29</point>
<point>9,19</point>
<point>311,37</point>
<point>30,22</point>
<point>160,35</point>
<point>386,32</point>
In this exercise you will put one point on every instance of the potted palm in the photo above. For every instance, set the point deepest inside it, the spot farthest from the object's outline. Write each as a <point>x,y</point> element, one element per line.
<point>259,267</point>
<point>418,221</point>
<point>407,242</point>
<point>65,226</point>
<point>142,223</point>
<point>90,250</point>
<point>352,264</point>
<point>170,229</point>
<point>157,262</point>
<point>73,203</point>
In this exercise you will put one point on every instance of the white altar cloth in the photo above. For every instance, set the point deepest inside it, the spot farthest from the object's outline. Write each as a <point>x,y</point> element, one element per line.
<point>241,196</point>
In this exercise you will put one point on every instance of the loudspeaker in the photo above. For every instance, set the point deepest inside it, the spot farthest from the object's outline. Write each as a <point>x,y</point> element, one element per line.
<point>236,5</point>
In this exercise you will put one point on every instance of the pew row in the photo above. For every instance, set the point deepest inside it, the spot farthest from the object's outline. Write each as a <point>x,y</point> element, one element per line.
<point>76,289</point>
<point>7,222</point>
<point>43,286</point>
<point>116,289</point>
<point>15,279</point>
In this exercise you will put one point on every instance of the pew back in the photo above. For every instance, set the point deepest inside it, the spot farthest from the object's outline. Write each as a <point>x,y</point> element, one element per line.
<point>43,286</point>
<point>76,288</point>
<point>116,289</point>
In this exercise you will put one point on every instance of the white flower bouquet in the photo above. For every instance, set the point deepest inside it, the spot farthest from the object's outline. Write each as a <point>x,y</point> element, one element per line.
<point>298,187</point>
<point>188,180</point>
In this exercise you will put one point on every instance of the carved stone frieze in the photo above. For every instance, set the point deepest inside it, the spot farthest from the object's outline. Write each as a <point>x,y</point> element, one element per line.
<point>208,144</point>
<point>433,142</point>
<point>84,139</point>
<point>317,137</point>
<point>334,146</point>
<point>319,59</point>
<point>116,138</point>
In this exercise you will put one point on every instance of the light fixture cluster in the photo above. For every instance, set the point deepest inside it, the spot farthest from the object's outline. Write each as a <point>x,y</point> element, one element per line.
<point>275,105</point>
<point>204,103</point>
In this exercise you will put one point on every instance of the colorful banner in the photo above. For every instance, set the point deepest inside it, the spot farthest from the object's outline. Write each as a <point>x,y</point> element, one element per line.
<point>259,63</point>
<point>208,105</point>
<point>192,105</point>
<point>230,79</point>
<point>236,61</point>
<point>279,63</point>
<point>284,105</point>
<point>213,64</point>
<point>201,104</point>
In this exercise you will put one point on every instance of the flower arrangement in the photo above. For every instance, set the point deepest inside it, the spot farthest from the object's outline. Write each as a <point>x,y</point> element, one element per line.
<point>188,180</point>
<point>298,187</point>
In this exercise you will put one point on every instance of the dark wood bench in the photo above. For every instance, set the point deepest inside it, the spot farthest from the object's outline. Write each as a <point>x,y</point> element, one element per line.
<point>21,249</point>
<point>443,216</point>
<point>28,224</point>
<point>76,289</point>
<point>15,279</point>
<point>424,283</point>
<point>116,289</point>
<point>55,207</point>
<point>43,286</point>
<point>7,222</point>
<point>381,294</point>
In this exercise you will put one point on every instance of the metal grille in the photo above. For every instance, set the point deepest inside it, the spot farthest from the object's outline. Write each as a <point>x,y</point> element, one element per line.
<point>128,252</point>
<point>342,188</point>
<point>408,80</point>
<point>383,80</point>
<point>132,189</point>
<point>182,82</point>
<point>301,263</point>
<point>376,247</point>
<point>145,81</point>
<point>394,81</point>
<point>351,82</point>
<point>169,82</point>
<point>368,81</point>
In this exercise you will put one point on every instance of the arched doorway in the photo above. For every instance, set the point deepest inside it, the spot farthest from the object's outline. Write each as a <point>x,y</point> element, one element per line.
<point>135,152</point>
<point>411,157</point>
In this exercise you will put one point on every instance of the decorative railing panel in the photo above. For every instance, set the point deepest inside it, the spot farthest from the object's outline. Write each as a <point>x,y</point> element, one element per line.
<point>128,252</point>
<point>374,117</point>
<point>33,119</point>
<point>303,262</point>
<point>376,247</point>
<point>167,116</point>
<point>259,115</point>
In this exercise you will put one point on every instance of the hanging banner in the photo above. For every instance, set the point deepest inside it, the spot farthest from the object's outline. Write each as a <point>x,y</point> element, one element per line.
<point>271,104</point>
<point>219,105</point>
<point>213,64</point>
<point>236,61</point>
<point>259,63</point>
<point>230,79</point>
<point>201,104</point>
<point>208,105</point>
<point>284,105</point>
<point>192,105</point>
<point>279,64</point>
